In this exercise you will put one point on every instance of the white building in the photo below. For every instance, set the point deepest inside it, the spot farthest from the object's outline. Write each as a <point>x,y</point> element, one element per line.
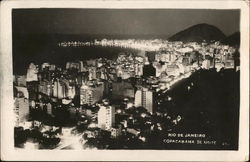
<point>59,90</point>
<point>106,117</point>
<point>206,64</point>
<point>115,132</point>
<point>44,65</point>
<point>21,110</point>
<point>92,73</point>
<point>90,95</point>
<point>49,108</point>
<point>139,69</point>
<point>71,92</point>
<point>20,80</point>
<point>32,73</point>
<point>144,98</point>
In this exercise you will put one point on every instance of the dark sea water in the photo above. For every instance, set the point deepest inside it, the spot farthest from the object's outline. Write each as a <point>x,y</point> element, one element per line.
<point>39,48</point>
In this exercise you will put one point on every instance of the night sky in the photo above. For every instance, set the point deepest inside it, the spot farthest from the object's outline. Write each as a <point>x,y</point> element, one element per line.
<point>121,21</point>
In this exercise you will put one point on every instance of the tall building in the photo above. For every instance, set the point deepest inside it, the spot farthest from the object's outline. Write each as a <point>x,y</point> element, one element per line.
<point>150,55</point>
<point>49,109</point>
<point>73,65</point>
<point>32,89</point>
<point>59,90</point>
<point>81,66</point>
<point>206,64</point>
<point>116,132</point>
<point>91,94</point>
<point>82,77</point>
<point>160,67</point>
<point>20,80</point>
<point>92,73</point>
<point>32,73</point>
<point>106,117</point>
<point>145,98</point>
<point>149,70</point>
<point>49,88</point>
<point>139,69</point>
<point>45,65</point>
<point>32,81</point>
<point>21,109</point>
<point>71,92</point>
<point>86,95</point>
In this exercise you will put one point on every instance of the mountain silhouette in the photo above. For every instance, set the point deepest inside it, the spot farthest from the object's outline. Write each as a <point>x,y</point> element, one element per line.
<point>232,40</point>
<point>199,33</point>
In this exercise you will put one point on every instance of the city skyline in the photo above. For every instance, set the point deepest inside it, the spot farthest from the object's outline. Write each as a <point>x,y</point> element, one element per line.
<point>132,102</point>
<point>74,89</point>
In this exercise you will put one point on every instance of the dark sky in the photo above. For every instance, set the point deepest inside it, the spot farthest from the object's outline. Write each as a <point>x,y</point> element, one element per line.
<point>121,21</point>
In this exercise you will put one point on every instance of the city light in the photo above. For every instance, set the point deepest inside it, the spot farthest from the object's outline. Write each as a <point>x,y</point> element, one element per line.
<point>105,99</point>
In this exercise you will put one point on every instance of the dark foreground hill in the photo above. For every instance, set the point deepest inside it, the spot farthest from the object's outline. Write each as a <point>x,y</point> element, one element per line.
<point>198,33</point>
